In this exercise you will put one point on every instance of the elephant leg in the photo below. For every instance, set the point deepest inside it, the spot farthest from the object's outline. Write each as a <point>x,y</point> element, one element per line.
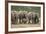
<point>20,21</point>
<point>12,20</point>
<point>29,21</point>
<point>16,21</point>
<point>23,21</point>
<point>34,21</point>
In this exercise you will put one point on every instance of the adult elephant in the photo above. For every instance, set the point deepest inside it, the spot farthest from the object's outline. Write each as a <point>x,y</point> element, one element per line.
<point>20,16</point>
<point>14,17</point>
<point>24,18</point>
<point>29,16</point>
<point>32,18</point>
<point>35,18</point>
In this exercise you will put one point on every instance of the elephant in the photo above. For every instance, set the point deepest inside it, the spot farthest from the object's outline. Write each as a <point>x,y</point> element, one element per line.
<point>29,16</point>
<point>22,17</point>
<point>32,18</point>
<point>35,18</point>
<point>14,17</point>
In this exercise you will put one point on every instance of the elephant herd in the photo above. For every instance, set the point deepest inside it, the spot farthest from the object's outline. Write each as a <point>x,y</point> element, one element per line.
<point>24,17</point>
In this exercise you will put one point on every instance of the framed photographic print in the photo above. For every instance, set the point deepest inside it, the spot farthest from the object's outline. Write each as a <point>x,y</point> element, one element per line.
<point>25,16</point>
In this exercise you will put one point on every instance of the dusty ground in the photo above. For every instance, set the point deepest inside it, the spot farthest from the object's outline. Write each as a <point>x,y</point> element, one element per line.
<point>24,25</point>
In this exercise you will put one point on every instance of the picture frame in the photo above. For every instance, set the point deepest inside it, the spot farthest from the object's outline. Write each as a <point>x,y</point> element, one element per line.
<point>30,6</point>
